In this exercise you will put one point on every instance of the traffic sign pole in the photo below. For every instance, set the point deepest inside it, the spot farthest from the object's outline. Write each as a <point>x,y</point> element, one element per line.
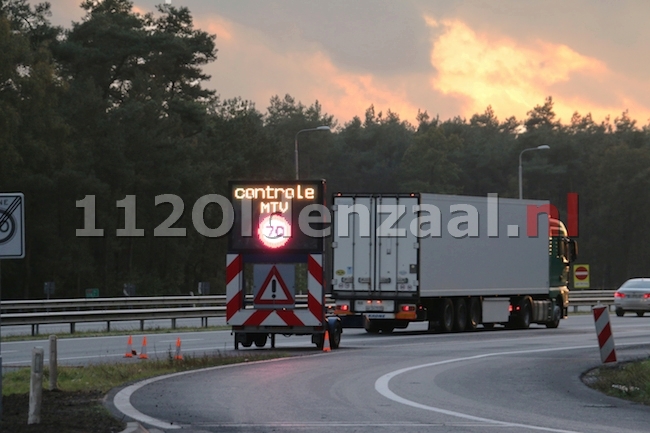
<point>12,242</point>
<point>0,345</point>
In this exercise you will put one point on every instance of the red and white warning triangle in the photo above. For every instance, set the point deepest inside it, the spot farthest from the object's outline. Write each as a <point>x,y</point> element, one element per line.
<point>273,290</point>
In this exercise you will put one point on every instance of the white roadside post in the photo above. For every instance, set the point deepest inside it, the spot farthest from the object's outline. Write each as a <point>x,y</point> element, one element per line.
<point>53,363</point>
<point>604,333</point>
<point>36,387</point>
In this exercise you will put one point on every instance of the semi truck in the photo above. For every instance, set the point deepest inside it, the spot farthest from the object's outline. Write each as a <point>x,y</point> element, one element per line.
<point>457,262</point>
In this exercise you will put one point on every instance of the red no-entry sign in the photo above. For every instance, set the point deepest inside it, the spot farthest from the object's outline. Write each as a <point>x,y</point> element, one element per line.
<point>580,276</point>
<point>582,273</point>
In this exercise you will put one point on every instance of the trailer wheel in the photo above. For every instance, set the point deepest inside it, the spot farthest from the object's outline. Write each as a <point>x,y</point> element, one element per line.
<point>460,315</point>
<point>260,340</point>
<point>246,340</point>
<point>447,315</point>
<point>557,312</point>
<point>371,326</point>
<point>401,324</point>
<point>473,314</point>
<point>640,313</point>
<point>488,325</point>
<point>335,336</point>
<point>523,321</point>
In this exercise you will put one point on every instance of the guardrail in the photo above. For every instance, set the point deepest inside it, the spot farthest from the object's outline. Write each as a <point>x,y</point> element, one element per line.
<point>589,298</point>
<point>108,303</point>
<point>72,311</point>
<point>81,310</point>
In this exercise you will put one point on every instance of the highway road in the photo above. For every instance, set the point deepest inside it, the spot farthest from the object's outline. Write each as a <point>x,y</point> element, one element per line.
<point>411,381</point>
<point>500,380</point>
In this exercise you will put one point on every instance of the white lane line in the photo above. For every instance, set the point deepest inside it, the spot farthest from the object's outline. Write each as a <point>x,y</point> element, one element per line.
<point>381,386</point>
<point>182,340</point>
<point>151,353</point>
<point>64,340</point>
<point>340,424</point>
<point>122,399</point>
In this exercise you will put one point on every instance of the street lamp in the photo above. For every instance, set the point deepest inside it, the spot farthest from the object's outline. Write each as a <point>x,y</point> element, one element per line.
<point>318,128</point>
<point>540,147</point>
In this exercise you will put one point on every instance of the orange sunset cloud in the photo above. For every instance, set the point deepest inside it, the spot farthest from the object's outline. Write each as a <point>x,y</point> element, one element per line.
<point>308,75</point>
<point>512,77</point>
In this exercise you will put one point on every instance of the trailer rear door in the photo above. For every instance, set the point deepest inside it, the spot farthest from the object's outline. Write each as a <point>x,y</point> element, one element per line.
<point>375,252</point>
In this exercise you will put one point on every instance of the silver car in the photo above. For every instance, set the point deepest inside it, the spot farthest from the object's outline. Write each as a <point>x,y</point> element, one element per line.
<point>634,296</point>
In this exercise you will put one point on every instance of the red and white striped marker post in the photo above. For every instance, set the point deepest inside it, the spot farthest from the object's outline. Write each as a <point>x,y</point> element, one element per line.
<point>604,334</point>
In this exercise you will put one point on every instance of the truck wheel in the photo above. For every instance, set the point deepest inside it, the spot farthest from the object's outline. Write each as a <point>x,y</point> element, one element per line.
<point>557,312</point>
<point>401,324</point>
<point>447,315</point>
<point>371,326</point>
<point>488,325</point>
<point>620,312</point>
<point>473,314</point>
<point>640,313</point>
<point>460,315</point>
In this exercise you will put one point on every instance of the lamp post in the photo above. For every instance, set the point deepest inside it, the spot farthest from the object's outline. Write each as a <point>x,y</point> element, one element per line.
<point>318,128</point>
<point>540,147</point>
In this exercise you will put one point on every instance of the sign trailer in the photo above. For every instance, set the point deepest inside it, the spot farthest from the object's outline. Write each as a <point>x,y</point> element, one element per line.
<point>266,236</point>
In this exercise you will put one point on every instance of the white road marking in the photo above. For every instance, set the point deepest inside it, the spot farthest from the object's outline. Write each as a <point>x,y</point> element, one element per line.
<point>381,386</point>
<point>341,424</point>
<point>151,353</point>
<point>122,399</point>
<point>182,340</point>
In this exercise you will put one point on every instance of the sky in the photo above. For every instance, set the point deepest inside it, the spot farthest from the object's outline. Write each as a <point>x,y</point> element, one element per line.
<point>446,57</point>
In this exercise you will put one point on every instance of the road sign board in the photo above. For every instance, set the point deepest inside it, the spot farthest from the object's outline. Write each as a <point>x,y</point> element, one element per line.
<point>580,276</point>
<point>49,287</point>
<point>267,216</point>
<point>274,291</point>
<point>92,293</point>
<point>204,287</point>
<point>12,225</point>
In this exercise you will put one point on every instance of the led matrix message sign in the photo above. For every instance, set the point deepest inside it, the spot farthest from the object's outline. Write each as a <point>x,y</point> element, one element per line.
<point>266,215</point>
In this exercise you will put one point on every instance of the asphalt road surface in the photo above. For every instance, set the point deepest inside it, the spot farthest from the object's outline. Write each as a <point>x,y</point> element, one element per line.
<point>410,381</point>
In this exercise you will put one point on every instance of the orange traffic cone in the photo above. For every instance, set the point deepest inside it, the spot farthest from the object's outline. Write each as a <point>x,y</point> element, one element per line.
<point>326,342</point>
<point>129,348</point>
<point>143,352</point>
<point>178,349</point>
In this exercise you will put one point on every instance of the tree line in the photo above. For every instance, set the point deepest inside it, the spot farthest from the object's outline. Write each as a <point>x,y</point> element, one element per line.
<point>116,105</point>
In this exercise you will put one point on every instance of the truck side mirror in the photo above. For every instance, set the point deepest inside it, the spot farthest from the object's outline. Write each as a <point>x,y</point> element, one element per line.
<point>572,247</point>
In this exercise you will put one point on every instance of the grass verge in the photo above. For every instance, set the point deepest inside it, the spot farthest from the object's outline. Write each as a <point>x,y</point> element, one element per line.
<point>629,380</point>
<point>77,406</point>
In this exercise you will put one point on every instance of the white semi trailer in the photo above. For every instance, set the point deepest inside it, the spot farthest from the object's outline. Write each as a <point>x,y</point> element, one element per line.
<point>454,261</point>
